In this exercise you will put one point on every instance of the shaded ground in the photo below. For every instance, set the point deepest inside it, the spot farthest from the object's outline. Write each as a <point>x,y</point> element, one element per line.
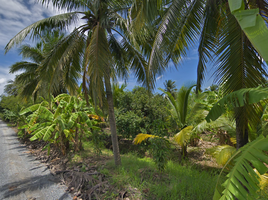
<point>21,176</point>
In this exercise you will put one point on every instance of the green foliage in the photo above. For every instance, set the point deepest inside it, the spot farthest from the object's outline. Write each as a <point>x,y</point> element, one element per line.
<point>139,111</point>
<point>256,30</point>
<point>242,181</point>
<point>128,124</point>
<point>237,99</point>
<point>97,139</point>
<point>117,91</point>
<point>175,182</point>
<point>160,150</point>
<point>223,153</point>
<point>38,78</point>
<point>188,112</point>
<point>64,120</point>
<point>170,87</point>
<point>10,106</point>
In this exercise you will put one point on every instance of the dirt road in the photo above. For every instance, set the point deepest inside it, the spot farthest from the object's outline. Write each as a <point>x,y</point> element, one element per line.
<point>21,176</point>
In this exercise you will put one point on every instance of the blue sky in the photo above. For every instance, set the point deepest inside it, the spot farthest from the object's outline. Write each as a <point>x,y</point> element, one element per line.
<point>17,14</point>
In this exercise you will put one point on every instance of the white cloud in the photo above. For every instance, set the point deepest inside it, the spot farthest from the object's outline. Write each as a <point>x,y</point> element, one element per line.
<point>5,77</point>
<point>159,77</point>
<point>2,80</point>
<point>15,15</point>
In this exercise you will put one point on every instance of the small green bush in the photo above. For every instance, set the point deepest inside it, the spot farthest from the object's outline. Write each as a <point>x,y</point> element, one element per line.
<point>160,150</point>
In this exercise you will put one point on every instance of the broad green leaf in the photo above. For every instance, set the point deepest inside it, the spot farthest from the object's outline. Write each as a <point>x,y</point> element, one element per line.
<point>98,128</point>
<point>30,109</point>
<point>242,177</point>
<point>253,26</point>
<point>223,153</point>
<point>56,135</point>
<point>66,132</point>
<point>38,134</point>
<point>236,5</point>
<point>23,127</point>
<point>237,99</point>
<point>183,136</point>
<point>48,132</point>
<point>64,97</point>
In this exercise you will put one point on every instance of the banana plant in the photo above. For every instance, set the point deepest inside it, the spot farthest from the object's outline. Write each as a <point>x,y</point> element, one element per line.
<point>242,181</point>
<point>252,23</point>
<point>63,121</point>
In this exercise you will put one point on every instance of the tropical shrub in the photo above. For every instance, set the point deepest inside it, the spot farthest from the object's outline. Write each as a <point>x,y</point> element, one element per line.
<point>65,119</point>
<point>128,124</point>
<point>10,106</point>
<point>97,139</point>
<point>140,111</point>
<point>159,148</point>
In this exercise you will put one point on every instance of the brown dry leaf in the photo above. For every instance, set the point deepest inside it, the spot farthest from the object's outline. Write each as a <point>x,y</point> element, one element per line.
<point>11,188</point>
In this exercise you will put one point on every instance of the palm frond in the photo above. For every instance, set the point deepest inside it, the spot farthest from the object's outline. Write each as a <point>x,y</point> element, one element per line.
<point>32,53</point>
<point>178,29</point>
<point>119,57</point>
<point>99,60</point>
<point>238,64</point>
<point>24,65</point>
<point>207,42</point>
<point>173,103</point>
<point>136,61</point>
<point>67,4</point>
<point>183,136</point>
<point>59,21</point>
<point>237,99</point>
<point>143,12</point>
<point>257,25</point>
<point>182,99</point>
<point>142,137</point>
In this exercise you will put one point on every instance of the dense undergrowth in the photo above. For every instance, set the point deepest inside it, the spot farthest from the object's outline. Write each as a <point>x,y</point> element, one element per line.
<point>166,147</point>
<point>139,178</point>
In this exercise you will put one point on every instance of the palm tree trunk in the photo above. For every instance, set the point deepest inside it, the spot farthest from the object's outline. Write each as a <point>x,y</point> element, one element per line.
<point>109,95</point>
<point>241,127</point>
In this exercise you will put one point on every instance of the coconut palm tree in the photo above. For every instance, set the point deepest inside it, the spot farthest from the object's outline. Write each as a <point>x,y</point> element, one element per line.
<point>102,44</point>
<point>12,88</point>
<point>170,87</point>
<point>33,81</point>
<point>117,91</point>
<point>221,42</point>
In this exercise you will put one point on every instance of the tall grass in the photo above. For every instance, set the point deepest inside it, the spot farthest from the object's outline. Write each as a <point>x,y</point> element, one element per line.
<point>176,182</point>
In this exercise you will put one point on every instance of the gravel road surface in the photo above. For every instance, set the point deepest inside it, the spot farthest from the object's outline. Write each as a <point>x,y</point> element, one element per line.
<point>21,176</point>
